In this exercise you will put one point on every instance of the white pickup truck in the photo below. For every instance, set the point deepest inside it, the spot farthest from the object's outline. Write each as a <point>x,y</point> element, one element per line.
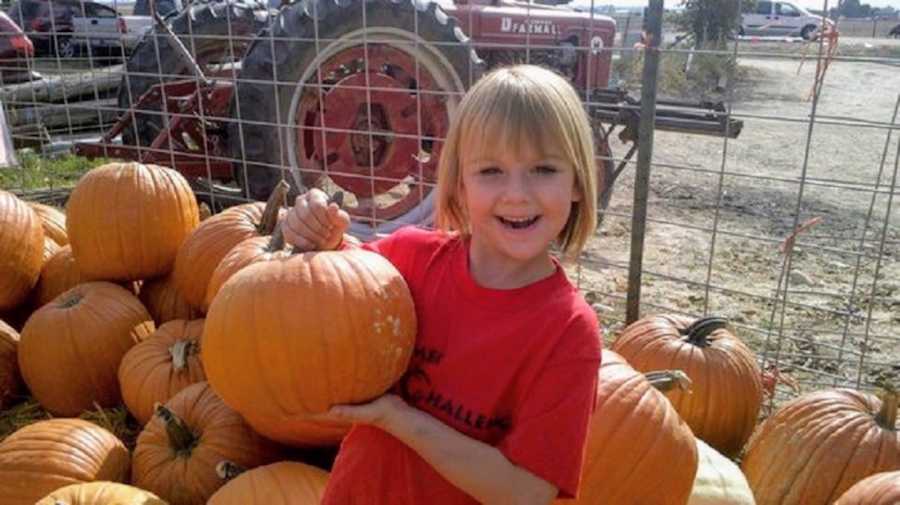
<point>103,27</point>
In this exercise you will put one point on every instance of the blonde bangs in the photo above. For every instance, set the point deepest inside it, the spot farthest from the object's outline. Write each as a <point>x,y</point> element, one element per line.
<point>514,107</point>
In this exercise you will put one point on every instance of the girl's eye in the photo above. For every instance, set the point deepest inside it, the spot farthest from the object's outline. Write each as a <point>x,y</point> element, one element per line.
<point>545,169</point>
<point>489,171</point>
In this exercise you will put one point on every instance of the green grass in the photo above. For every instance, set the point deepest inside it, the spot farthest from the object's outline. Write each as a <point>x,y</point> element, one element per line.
<point>38,172</point>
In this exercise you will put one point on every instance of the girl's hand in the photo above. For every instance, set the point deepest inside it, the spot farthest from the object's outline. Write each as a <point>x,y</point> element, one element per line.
<point>382,412</point>
<point>314,224</point>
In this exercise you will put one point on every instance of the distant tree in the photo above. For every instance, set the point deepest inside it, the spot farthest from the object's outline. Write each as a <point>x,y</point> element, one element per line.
<point>712,22</point>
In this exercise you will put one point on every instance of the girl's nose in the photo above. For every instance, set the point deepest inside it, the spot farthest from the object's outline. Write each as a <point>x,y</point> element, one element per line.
<point>517,187</point>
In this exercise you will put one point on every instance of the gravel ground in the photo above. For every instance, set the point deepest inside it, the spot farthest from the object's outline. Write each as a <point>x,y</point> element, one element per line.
<point>718,249</point>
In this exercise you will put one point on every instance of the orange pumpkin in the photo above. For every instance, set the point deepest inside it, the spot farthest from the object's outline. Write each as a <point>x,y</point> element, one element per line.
<point>638,450</point>
<point>177,452</point>
<point>71,348</point>
<point>252,250</point>
<point>330,327</point>
<point>812,449</point>
<point>22,250</point>
<point>58,275</point>
<point>879,489</point>
<point>283,483</point>
<point>50,454</point>
<point>100,493</point>
<point>164,301</point>
<point>53,221</point>
<point>216,236</point>
<point>127,220</point>
<point>726,392</point>
<point>50,248</point>
<point>10,378</point>
<point>157,368</point>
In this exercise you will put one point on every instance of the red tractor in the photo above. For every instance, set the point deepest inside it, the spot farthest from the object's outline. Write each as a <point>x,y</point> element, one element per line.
<point>353,95</point>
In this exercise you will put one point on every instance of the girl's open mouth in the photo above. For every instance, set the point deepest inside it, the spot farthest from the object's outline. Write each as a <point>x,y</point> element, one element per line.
<point>519,223</point>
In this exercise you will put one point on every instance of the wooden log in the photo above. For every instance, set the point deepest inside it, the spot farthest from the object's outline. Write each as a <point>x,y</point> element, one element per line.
<point>66,86</point>
<point>54,116</point>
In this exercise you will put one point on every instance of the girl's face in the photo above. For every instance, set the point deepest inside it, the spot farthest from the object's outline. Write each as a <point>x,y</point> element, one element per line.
<point>517,202</point>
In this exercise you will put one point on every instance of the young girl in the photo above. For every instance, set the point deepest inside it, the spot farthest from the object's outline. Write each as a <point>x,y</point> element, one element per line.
<point>495,404</point>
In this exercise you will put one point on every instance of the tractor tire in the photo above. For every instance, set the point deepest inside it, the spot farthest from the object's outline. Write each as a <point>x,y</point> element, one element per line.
<point>280,107</point>
<point>207,28</point>
<point>809,33</point>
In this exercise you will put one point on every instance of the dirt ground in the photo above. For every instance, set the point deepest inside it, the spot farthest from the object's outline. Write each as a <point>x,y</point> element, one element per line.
<point>713,239</point>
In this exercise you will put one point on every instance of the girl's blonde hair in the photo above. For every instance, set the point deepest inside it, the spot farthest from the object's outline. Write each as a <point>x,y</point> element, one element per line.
<point>512,107</point>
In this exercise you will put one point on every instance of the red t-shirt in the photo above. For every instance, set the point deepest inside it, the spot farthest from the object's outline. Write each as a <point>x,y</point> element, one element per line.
<point>516,369</point>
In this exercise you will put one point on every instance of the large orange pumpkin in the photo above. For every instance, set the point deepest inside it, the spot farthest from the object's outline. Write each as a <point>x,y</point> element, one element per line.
<point>283,483</point>
<point>201,253</point>
<point>127,220</point>
<point>638,450</point>
<point>10,378</point>
<point>178,451</point>
<point>100,493</point>
<point>329,327</point>
<point>58,275</point>
<point>879,489</point>
<point>162,365</point>
<point>21,250</point>
<point>726,393</point>
<point>165,302</point>
<point>53,221</point>
<point>47,455</point>
<point>812,449</point>
<point>71,348</point>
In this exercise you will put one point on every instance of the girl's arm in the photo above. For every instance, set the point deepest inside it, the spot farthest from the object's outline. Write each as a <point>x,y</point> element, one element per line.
<point>480,470</point>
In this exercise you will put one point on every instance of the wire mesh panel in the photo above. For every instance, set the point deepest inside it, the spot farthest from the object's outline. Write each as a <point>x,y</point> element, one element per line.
<point>774,167</point>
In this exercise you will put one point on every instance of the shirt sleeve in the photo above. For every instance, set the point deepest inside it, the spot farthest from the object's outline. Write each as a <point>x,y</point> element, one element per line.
<point>550,428</point>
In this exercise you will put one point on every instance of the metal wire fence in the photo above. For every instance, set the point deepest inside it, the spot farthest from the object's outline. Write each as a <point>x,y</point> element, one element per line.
<point>766,191</point>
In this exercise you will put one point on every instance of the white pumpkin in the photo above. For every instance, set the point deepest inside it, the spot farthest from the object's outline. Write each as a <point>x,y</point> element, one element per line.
<point>719,480</point>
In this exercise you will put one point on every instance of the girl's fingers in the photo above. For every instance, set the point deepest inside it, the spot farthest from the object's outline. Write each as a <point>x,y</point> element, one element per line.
<point>297,241</point>
<point>297,226</point>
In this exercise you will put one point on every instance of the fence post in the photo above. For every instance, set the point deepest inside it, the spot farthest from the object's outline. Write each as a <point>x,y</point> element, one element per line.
<point>874,27</point>
<point>645,156</point>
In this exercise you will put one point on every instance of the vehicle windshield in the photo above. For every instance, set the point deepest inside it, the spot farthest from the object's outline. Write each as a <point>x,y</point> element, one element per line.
<point>786,10</point>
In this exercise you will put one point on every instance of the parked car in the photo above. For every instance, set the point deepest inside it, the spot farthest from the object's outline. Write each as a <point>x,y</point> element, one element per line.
<point>15,50</point>
<point>784,19</point>
<point>48,23</point>
<point>103,29</point>
<point>895,32</point>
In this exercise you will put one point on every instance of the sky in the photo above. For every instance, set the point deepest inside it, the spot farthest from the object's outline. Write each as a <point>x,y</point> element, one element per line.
<point>809,4</point>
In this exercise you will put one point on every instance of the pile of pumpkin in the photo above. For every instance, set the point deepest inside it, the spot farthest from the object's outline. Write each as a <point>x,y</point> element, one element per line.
<point>223,346</point>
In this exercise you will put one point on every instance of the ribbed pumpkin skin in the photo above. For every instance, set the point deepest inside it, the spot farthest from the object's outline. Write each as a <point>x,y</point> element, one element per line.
<point>53,221</point>
<point>71,348</point>
<point>252,250</point>
<point>100,493</point>
<point>50,248</point>
<point>201,253</point>
<point>190,478</point>
<point>21,250</point>
<point>283,483</point>
<point>719,480</point>
<point>164,301</point>
<point>726,392</point>
<point>10,378</point>
<point>58,275</point>
<point>47,455</point>
<point>148,375</point>
<point>879,489</point>
<point>328,327</point>
<point>127,220</point>
<point>816,446</point>
<point>639,451</point>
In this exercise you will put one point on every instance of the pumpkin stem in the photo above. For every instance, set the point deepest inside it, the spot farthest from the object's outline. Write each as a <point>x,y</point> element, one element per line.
<point>227,470</point>
<point>702,328</point>
<point>887,416</point>
<point>181,350</point>
<point>667,380</point>
<point>70,299</point>
<point>276,243</point>
<point>181,438</point>
<point>273,205</point>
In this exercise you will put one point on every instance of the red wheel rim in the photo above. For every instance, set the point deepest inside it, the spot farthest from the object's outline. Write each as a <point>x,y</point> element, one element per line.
<point>387,159</point>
